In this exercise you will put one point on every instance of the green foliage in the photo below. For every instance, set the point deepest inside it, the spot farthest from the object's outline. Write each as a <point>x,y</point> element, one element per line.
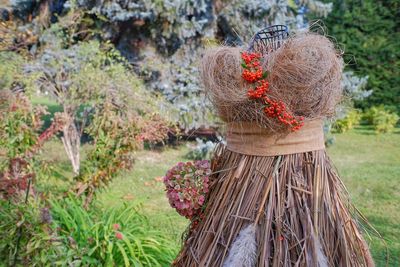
<point>111,237</point>
<point>10,69</point>
<point>368,30</point>
<point>20,141</point>
<point>351,119</point>
<point>116,135</point>
<point>32,223</point>
<point>19,123</point>
<point>382,119</point>
<point>65,234</point>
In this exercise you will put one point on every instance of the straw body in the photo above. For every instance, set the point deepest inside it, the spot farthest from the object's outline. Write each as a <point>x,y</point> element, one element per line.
<point>307,219</point>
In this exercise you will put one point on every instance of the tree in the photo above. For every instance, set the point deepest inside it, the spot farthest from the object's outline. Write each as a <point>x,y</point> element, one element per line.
<point>368,31</point>
<point>83,78</point>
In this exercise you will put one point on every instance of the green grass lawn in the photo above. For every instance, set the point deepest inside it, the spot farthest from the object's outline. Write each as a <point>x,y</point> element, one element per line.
<point>369,165</point>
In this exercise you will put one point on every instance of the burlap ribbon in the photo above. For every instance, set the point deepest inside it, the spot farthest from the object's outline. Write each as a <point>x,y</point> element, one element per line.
<point>250,139</point>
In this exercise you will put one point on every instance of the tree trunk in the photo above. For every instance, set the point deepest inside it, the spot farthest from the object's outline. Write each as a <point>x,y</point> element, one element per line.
<point>72,141</point>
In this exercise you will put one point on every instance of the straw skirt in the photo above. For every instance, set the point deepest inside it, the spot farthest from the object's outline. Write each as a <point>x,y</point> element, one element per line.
<point>297,203</point>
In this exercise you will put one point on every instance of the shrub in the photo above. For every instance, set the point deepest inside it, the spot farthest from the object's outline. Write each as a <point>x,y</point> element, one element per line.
<point>20,141</point>
<point>30,223</point>
<point>382,119</point>
<point>116,134</point>
<point>351,119</point>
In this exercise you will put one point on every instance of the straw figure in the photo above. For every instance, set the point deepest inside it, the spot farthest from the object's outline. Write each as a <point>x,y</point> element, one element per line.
<point>275,199</point>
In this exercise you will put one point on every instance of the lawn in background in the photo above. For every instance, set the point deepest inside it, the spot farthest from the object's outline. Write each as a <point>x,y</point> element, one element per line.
<point>369,165</point>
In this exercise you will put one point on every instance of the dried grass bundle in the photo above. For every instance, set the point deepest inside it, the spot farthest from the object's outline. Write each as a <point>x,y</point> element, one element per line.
<point>305,73</point>
<point>307,220</point>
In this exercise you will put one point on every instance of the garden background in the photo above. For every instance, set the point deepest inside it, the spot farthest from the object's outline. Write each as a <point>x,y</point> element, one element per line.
<point>98,99</point>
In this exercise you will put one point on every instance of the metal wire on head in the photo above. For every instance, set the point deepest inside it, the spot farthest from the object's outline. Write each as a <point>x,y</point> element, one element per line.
<point>269,39</point>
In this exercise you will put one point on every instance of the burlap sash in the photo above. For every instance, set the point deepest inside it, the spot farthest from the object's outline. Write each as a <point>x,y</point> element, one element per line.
<point>250,139</point>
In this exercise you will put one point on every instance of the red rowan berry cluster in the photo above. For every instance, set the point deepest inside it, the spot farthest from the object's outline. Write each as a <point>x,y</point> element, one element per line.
<point>254,74</point>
